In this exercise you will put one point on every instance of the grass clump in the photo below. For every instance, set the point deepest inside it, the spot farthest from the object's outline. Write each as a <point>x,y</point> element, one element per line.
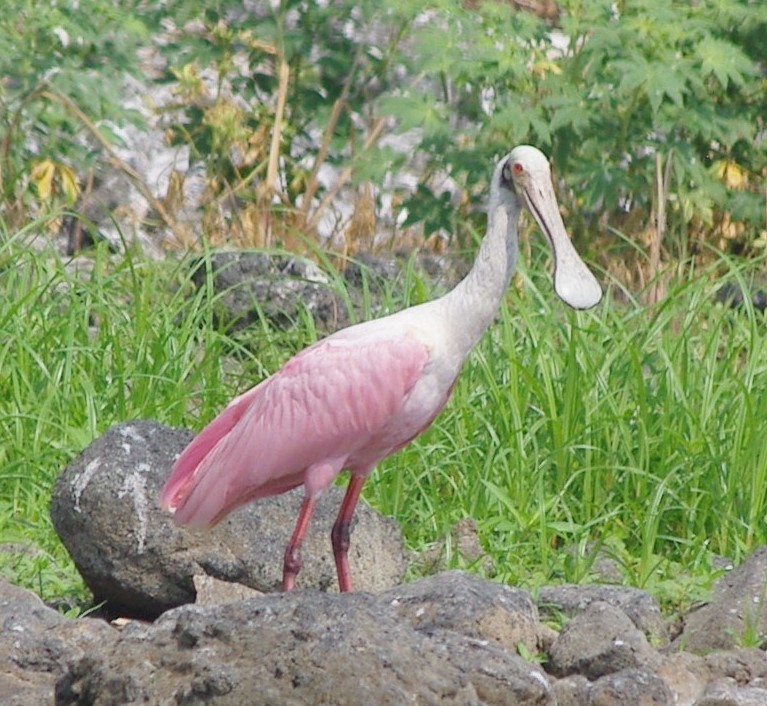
<point>81,351</point>
<point>629,430</point>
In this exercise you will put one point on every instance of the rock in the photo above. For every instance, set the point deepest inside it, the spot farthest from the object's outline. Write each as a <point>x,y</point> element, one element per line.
<point>378,271</point>
<point>727,692</point>
<point>374,270</point>
<point>451,638</point>
<point>35,644</point>
<point>603,566</point>
<point>630,686</point>
<point>547,636</point>
<point>572,691</point>
<point>641,607</point>
<point>251,284</point>
<point>464,545</point>
<point>464,603</point>
<point>686,675</point>
<point>304,648</point>
<point>736,295</point>
<point>736,610</point>
<point>132,555</point>
<point>601,640</point>
<point>744,666</point>
<point>211,591</point>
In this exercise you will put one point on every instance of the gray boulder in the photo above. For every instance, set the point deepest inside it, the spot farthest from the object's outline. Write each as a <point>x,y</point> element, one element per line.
<point>736,295</point>
<point>742,666</point>
<point>379,271</point>
<point>133,556</point>
<point>461,602</point>
<point>728,692</point>
<point>251,284</point>
<point>736,612</point>
<point>638,605</point>
<point>686,675</point>
<point>601,640</point>
<point>35,644</point>
<point>572,691</point>
<point>312,648</point>
<point>637,687</point>
<point>450,638</point>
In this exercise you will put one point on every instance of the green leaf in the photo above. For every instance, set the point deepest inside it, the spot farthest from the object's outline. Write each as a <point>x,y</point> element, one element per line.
<point>656,80</point>
<point>568,110</point>
<point>415,111</point>
<point>373,164</point>
<point>434,211</point>
<point>725,61</point>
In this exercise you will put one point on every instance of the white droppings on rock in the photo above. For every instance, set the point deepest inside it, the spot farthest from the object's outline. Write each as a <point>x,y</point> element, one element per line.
<point>80,482</point>
<point>135,486</point>
<point>130,432</point>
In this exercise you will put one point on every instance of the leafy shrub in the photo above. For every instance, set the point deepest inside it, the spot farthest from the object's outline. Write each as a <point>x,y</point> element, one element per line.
<point>606,92</point>
<point>646,107</point>
<point>626,97</point>
<point>273,98</point>
<point>59,64</point>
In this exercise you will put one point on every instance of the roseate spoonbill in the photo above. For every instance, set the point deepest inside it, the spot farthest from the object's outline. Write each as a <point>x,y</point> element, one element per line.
<point>362,393</point>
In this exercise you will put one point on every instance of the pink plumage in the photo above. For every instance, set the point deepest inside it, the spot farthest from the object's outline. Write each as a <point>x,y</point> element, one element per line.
<point>361,394</point>
<point>335,405</point>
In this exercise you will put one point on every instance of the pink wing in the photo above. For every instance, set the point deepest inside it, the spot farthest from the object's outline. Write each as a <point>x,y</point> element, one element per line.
<point>326,404</point>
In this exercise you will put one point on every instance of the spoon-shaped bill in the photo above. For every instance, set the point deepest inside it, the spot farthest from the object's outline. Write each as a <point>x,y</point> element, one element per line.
<point>573,281</point>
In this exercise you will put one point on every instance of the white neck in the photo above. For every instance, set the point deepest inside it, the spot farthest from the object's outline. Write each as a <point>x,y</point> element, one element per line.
<point>472,306</point>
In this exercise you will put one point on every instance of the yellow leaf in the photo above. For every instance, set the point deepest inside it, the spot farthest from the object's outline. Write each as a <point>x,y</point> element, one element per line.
<point>42,174</point>
<point>544,66</point>
<point>190,83</point>
<point>69,183</point>
<point>731,173</point>
<point>246,37</point>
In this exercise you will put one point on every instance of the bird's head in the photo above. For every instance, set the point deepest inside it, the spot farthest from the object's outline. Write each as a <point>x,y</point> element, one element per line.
<point>523,179</point>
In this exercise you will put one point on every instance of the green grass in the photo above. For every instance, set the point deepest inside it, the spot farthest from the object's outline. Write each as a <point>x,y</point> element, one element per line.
<point>635,430</point>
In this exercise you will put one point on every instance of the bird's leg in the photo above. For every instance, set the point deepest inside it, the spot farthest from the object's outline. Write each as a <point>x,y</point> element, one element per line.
<point>342,530</point>
<point>293,561</point>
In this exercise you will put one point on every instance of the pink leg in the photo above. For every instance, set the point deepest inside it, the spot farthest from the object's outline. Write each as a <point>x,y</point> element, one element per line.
<point>342,529</point>
<point>293,562</point>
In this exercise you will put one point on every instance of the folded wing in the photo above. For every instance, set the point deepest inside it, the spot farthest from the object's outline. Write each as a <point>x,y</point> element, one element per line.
<point>323,406</point>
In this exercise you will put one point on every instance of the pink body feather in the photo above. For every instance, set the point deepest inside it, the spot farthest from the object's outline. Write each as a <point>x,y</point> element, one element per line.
<point>339,404</point>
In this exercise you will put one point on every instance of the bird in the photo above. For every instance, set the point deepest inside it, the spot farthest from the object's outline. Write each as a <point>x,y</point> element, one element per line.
<point>357,396</point>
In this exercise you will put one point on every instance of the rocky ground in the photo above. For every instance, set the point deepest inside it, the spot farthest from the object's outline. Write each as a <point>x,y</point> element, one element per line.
<point>207,627</point>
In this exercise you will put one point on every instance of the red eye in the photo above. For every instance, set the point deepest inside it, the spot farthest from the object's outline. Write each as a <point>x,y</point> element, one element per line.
<point>518,169</point>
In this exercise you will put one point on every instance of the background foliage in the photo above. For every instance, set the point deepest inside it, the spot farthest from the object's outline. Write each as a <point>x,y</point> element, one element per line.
<point>637,102</point>
<point>62,52</point>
